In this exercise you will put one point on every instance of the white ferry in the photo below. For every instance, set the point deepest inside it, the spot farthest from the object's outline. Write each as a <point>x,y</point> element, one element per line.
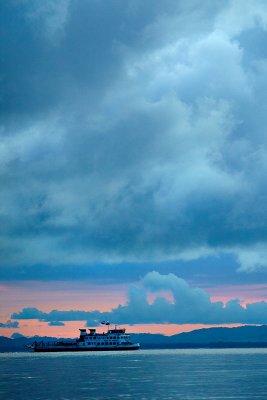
<point>113,339</point>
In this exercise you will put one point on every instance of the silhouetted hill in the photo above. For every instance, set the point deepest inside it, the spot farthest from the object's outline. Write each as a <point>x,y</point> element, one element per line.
<point>20,343</point>
<point>243,336</point>
<point>239,334</point>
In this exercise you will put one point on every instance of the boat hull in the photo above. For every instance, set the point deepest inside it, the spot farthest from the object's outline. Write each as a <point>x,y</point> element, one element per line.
<point>68,349</point>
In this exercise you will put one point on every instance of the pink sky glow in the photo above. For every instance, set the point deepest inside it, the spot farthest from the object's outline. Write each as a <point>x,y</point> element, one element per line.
<point>62,295</point>
<point>71,328</point>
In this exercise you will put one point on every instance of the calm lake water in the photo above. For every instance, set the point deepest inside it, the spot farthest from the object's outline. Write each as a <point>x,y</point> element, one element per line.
<point>145,374</point>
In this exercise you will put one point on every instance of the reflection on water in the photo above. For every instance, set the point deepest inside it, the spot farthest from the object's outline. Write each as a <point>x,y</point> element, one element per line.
<point>148,374</point>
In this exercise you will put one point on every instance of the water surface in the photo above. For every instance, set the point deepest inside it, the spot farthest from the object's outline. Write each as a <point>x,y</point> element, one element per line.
<point>145,374</point>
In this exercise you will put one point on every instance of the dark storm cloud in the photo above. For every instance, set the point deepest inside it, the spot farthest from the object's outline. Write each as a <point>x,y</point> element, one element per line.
<point>206,272</point>
<point>187,306</point>
<point>132,132</point>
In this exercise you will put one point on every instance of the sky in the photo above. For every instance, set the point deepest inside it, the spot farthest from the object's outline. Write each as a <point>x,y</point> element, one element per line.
<point>133,165</point>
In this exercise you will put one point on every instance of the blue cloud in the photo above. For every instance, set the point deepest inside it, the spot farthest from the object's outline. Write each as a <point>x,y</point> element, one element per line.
<point>206,271</point>
<point>9,324</point>
<point>56,323</point>
<point>189,306</point>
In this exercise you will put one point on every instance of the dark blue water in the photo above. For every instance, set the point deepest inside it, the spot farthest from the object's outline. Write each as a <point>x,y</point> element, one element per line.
<point>148,374</point>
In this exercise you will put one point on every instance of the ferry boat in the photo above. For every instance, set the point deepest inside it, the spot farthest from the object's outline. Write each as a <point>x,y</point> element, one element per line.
<point>112,340</point>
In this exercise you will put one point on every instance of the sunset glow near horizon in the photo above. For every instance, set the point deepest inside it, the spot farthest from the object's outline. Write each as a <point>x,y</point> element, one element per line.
<point>133,165</point>
<point>86,297</point>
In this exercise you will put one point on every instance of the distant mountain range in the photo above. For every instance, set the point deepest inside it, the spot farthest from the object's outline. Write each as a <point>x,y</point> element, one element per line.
<point>244,336</point>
